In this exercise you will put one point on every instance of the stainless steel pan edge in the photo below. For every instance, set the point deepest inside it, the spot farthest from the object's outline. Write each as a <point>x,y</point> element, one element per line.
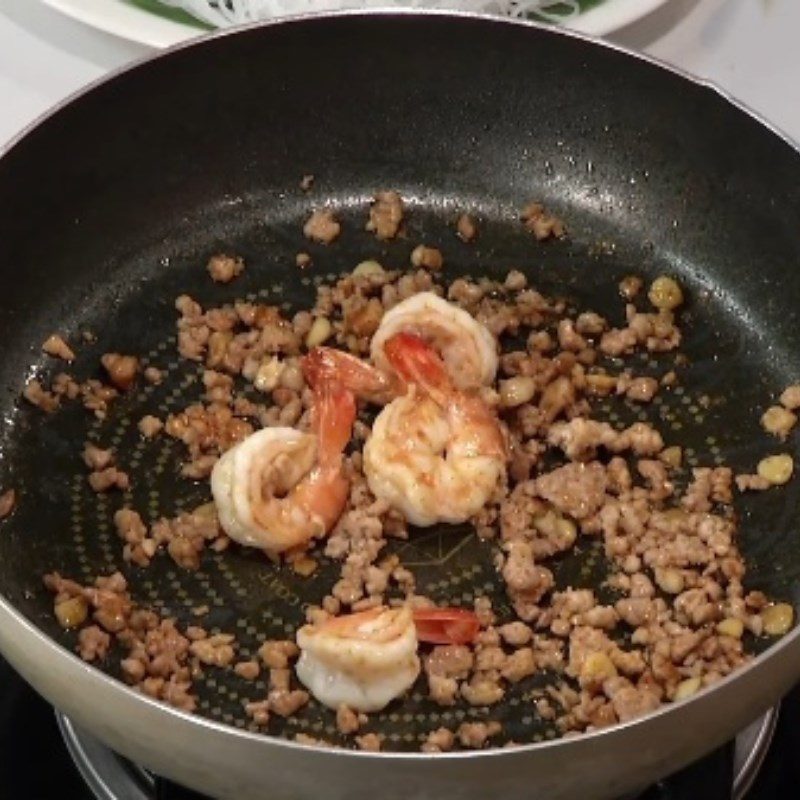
<point>227,763</point>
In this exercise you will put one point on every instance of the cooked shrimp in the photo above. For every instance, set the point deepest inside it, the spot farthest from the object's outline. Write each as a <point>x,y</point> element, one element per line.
<point>363,660</point>
<point>446,625</point>
<point>280,488</point>
<point>468,348</point>
<point>328,365</point>
<point>436,453</point>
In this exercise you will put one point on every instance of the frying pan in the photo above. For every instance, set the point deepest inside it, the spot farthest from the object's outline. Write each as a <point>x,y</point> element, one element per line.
<point>113,203</point>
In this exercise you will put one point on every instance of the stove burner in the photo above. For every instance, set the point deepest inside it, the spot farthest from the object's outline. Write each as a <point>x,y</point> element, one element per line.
<point>112,777</point>
<point>109,776</point>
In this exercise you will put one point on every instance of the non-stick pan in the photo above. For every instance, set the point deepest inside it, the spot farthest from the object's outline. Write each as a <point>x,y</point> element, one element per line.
<point>112,205</point>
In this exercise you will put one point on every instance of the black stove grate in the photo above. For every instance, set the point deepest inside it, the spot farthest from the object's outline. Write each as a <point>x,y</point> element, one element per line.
<point>29,734</point>
<point>166,790</point>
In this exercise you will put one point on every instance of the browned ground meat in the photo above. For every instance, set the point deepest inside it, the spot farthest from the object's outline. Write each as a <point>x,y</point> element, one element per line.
<point>590,324</point>
<point>322,226</point>
<point>778,421</point>
<point>439,741</point>
<point>138,547</point>
<point>640,390</point>
<point>442,690</point>
<point>188,534</point>
<point>348,721</point>
<point>569,338</point>
<point>790,398</point>
<point>708,486</point>
<point>386,215</point>
<point>96,396</point>
<point>153,375</point>
<point>466,227</point>
<point>656,332</point>
<point>629,701</point>
<point>121,369</point>
<point>8,501</point>
<point>54,345</point>
<point>515,281</point>
<point>38,396</point>
<point>96,458</point>
<point>630,286</point>
<point>156,653</point>
<point>149,426</point>
<point>751,483</point>
<point>65,386</point>
<point>277,654</point>
<point>516,633</point>
<point>427,257</point>
<point>258,711</point>
<point>207,431</point>
<point>520,664</point>
<point>371,742</point>
<point>109,478</point>
<point>194,633</point>
<point>93,643</point>
<point>215,651</point>
<point>223,268</point>
<point>575,489</point>
<point>475,734</point>
<point>450,660</point>
<point>527,582</point>
<point>280,678</point>
<point>540,223</point>
<point>249,670</point>
<point>581,438</point>
<point>655,473</point>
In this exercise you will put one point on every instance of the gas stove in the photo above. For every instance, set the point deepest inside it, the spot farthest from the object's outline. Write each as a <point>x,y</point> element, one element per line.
<point>44,755</point>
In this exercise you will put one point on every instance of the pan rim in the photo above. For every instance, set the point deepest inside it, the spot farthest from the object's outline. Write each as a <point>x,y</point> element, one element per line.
<point>389,11</point>
<point>57,651</point>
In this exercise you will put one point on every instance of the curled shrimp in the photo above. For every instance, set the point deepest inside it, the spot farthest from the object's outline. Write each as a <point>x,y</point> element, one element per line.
<point>363,660</point>
<point>280,488</point>
<point>436,453</point>
<point>467,347</point>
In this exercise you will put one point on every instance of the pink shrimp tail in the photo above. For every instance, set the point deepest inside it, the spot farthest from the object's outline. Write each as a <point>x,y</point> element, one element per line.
<point>334,415</point>
<point>415,361</point>
<point>319,366</point>
<point>326,364</point>
<point>324,492</point>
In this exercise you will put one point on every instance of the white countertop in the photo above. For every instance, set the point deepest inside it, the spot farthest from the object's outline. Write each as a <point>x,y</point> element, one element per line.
<point>748,47</point>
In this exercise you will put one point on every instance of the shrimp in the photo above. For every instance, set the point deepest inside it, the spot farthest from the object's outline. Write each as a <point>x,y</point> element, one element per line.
<point>468,348</point>
<point>280,488</point>
<point>446,625</point>
<point>328,365</point>
<point>436,453</point>
<point>363,660</point>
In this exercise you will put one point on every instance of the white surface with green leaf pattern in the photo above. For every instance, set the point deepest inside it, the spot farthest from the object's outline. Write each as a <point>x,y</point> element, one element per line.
<point>154,23</point>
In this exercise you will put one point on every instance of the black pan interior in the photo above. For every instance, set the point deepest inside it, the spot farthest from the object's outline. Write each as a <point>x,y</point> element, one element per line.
<point>112,207</point>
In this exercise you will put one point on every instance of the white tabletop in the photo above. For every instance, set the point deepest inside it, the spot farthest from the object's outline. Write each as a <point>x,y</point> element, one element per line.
<point>748,47</point>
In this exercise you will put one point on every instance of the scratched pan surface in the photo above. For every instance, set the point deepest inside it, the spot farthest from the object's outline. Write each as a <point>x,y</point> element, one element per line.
<point>113,205</point>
